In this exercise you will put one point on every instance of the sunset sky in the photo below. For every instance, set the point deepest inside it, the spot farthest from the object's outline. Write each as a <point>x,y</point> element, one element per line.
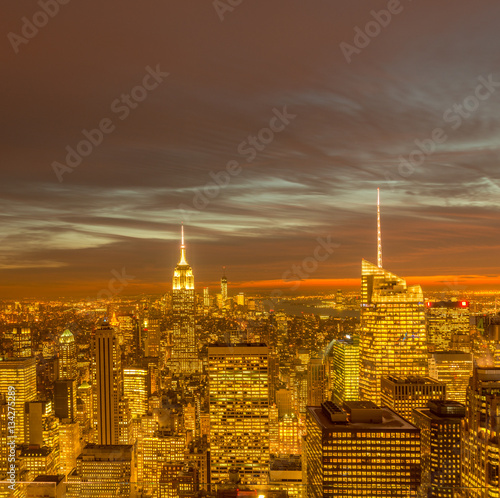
<point>353,120</point>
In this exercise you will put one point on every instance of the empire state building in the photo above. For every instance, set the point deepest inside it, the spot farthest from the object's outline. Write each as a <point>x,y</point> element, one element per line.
<point>184,358</point>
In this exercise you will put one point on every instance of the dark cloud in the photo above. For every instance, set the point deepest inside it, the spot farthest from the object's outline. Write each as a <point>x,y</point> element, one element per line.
<point>120,206</point>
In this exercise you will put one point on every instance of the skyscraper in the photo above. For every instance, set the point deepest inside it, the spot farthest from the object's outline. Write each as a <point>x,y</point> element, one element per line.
<point>454,369</point>
<point>402,394</point>
<point>439,425</point>
<point>359,449</point>
<point>315,382</point>
<point>393,338</point>
<point>22,342</point>
<point>480,445</point>
<point>67,356</point>
<point>345,370</point>
<point>135,389</point>
<point>102,471</point>
<point>65,398</point>
<point>446,319</point>
<point>223,288</point>
<point>184,351</point>
<point>20,373</point>
<point>108,385</point>
<point>239,412</point>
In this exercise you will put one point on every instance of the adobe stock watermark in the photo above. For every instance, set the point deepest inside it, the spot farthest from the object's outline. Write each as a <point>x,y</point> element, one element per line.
<point>363,37</point>
<point>115,285</point>
<point>40,19</point>
<point>455,116</point>
<point>122,107</point>
<point>248,148</point>
<point>298,273</point>
<point>223,6</point>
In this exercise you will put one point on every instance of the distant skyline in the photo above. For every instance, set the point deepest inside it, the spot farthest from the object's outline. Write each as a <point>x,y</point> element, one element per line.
<point>289,106</point>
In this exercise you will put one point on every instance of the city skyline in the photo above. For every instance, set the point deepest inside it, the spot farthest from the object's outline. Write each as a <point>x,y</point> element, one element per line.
<point>343,119</point>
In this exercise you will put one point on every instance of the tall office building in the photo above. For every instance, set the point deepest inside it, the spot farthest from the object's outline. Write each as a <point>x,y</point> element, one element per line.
<point>402,394</point>
<point>345,370</point>
<point>20,373</point>
<point>69,445</point>
<point>151,333</point>
<point>108,381</point>
<point>184,351</point>
<point>439,425</point>
<point>135,389</point>
<point>223,288</point>
<point>315,382</point>
<point>42,427</point>
<point>289,435</point>
<point>67,356</point>
<point>22,342</point>
<point>480,444</point>
<point>85,398</point>
<point>239,412</point>
<point>454,369</point>
<point>444,320</point>
<point>393,339</point>
<point>206,297</point>
<point>154,453</point>
<point>103,470</point>
<point>359,449</point>
<point>65,399</point>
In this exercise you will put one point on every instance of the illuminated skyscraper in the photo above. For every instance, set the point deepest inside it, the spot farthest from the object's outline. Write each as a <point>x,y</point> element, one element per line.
<point>289,432</point>
<point>22,342</point>
<point>102,471</point>
<point>206,297</point>
<point>19,373</point>
<point>393,339</point>
<point>184,351</point>
<point>357,450</point>
<point>108,385</point>
<point>84,394</point>
<point>67,356</point>
<point>345,370</point>
<point>223,288</point>
<point>453,369</point>
<point>315,382</point>
<point>439,425</point>
<point>446,319</point>
<point>480,448</point>
<point>70,446</point>
<point>135,389</point>
<point>239,412</point>
<point>402,394</point>
<point>156,452</point>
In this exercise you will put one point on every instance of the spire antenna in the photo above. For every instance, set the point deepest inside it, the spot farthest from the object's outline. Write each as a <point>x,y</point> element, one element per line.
<point>379,232</point>
<point>183,247</point>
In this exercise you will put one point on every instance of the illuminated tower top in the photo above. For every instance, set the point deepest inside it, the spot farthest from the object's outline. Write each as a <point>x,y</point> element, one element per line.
<point>183,261</point>
<point>379,232</point>
<point>183,273</point>
<point>223,286</point>
<point>66,337</point>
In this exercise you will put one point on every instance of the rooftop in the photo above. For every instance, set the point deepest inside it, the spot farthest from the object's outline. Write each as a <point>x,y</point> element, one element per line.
<point>389,420</point>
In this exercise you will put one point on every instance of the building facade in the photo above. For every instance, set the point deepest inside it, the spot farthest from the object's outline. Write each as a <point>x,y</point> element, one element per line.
<point>359,449</point>
<point>393,339</point>
<point>239,412</point>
